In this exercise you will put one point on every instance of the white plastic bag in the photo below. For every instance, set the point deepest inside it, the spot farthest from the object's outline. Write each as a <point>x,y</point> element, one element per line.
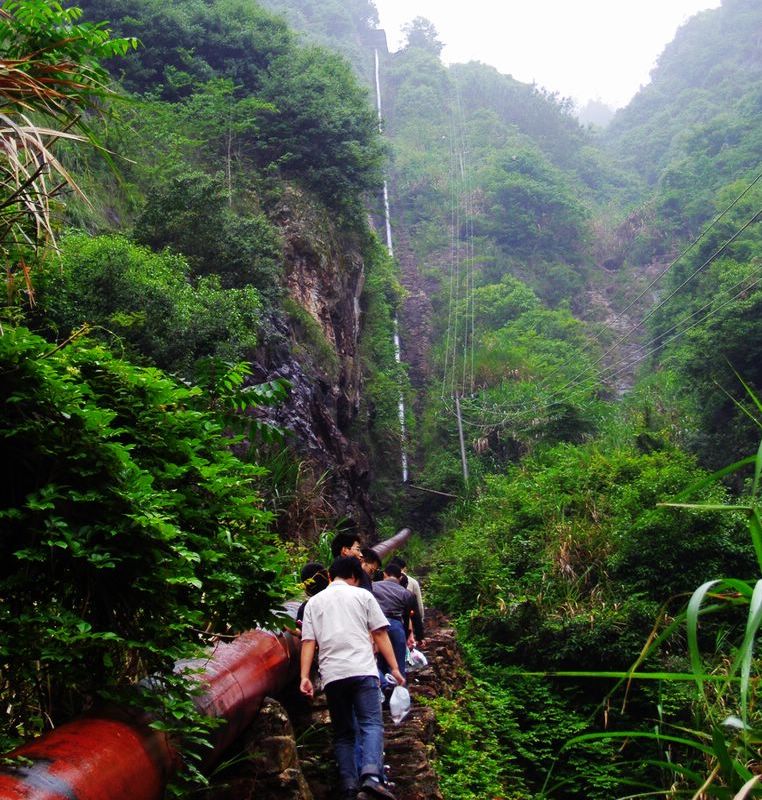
<point>399,704</point>
<point>416,659</point>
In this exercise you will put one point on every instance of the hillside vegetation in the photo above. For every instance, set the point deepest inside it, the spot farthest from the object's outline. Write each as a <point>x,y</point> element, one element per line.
<point>197,359</point>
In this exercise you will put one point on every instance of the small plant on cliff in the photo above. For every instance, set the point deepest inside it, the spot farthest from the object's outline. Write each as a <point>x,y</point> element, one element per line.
<point>311,340</point>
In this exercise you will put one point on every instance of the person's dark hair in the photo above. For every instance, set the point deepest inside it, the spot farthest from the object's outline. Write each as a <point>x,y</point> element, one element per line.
<point>370,556</point>
<point>314,576</point>
<point>346,567</point>
<point>393,570</point>
<point>399,561</point>
<point>343,539</point>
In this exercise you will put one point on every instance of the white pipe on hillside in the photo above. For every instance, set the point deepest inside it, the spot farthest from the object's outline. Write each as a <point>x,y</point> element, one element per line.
<point>390,248</point>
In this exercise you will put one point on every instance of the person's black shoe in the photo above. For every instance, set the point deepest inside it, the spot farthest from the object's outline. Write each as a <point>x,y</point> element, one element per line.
<point>373,788</point>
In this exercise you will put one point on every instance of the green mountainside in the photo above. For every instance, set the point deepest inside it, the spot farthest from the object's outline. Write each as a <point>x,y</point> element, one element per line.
<point>198,363</point>
<point>695,126</point>
<point>529,231</point>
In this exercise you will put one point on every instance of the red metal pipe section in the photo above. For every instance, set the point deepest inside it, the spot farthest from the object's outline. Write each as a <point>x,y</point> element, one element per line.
<point>238,676</point>
<point>105,758</point>
<point>398,540</point>
<point>117,756</point>
<point>91,759</point>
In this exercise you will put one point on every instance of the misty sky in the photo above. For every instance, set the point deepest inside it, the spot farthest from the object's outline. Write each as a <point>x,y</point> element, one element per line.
<point>585,49</point>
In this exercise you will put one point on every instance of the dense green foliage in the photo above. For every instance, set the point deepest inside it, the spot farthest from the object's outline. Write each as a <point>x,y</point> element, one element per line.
<point>709,332</point>
<point>387,380</point>
<point>345,26</point>
<point>120,289</point>
<point>191,215</point>
<point>244,154</point>
<point>563,563</point>
<point>569,536</point>
<point>316,125</point>
<point>129,527</point>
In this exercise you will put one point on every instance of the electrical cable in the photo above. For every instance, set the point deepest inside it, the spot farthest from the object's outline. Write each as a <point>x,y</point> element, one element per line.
<point>672,263</point>
<point>670,266</point>
<point>662,303</point>
<point>576,379</point>
<point>630,362</point>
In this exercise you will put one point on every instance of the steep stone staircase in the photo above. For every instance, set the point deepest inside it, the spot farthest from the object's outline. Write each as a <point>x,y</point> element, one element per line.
<point>287,754</point>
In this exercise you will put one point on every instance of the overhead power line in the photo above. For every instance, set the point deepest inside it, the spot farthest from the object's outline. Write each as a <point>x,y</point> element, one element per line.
<point>501,414</point>
<point>538,408</point>
<point>571,384</point>
<point>662,303</point>
<point>653,283</point>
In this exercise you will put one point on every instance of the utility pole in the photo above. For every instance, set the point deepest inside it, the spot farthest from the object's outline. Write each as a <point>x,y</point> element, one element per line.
<point>462,442</point>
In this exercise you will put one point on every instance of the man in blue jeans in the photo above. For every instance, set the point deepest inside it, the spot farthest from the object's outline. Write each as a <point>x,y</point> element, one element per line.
<point>400,608</point>
<point>340,622</point>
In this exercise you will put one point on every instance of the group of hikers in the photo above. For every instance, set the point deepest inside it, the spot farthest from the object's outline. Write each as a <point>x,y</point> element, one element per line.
<point>361,619</point>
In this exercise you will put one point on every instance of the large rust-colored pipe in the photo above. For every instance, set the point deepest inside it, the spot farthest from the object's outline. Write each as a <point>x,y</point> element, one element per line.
<point>398,540</point>
<point>117,756</point>
<point>113,756</point>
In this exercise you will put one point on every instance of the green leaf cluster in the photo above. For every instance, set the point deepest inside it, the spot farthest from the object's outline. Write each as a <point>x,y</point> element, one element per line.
<point>149,301</point>
<point>191,214</point>
<point>563,564</point>
<point>535,385</point>
<point>49,75</point>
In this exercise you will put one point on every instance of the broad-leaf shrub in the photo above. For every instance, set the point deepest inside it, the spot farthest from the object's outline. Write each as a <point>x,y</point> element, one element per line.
<point>572,540</point>
<point>127,527</point>
<point>563,563</point>
<point>149,301</point>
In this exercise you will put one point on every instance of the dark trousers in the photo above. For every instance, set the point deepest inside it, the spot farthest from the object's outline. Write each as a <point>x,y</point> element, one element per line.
<point>355,708</point>
<point>398,638</point>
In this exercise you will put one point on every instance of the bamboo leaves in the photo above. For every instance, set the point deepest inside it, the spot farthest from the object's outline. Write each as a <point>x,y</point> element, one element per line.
<point>51,72</point>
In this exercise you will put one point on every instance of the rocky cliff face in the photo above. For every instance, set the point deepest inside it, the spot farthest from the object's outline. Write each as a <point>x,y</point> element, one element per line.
<point>315,347</point>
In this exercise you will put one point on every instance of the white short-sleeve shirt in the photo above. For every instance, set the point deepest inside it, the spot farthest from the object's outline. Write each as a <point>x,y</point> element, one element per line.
<point>339,619</point>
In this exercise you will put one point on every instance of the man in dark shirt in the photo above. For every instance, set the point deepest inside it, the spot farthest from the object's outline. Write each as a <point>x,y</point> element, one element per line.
<point>399,607</point>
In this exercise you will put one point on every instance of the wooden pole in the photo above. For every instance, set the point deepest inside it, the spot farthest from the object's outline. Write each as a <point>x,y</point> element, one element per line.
<point>462,442</point>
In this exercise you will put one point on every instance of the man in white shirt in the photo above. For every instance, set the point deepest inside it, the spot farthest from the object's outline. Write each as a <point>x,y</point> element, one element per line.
<point>341,621</point>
